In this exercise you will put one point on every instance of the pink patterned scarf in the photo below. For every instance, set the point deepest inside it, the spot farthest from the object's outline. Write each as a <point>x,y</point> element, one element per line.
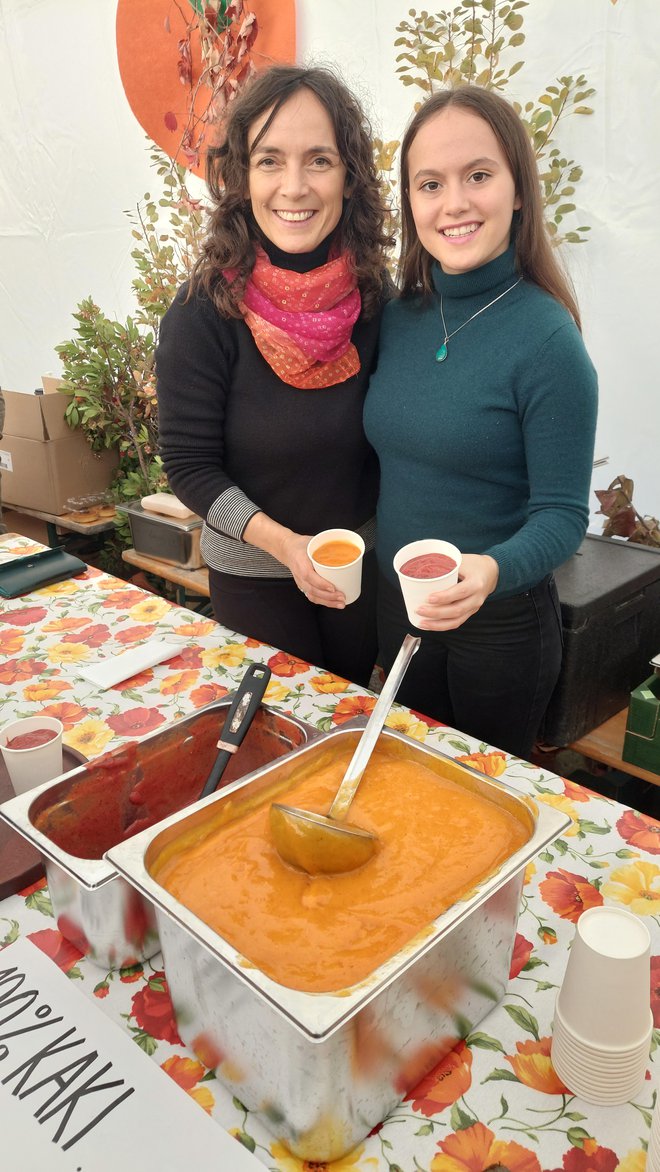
<point>302,322</point>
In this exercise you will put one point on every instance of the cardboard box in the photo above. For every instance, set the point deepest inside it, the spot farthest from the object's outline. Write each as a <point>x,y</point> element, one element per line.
<point>51,384</point>
<point>641,744</point>
<point>44,462</point>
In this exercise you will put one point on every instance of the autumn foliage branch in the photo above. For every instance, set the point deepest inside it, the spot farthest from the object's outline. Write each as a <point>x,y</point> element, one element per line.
<point>623,519</point>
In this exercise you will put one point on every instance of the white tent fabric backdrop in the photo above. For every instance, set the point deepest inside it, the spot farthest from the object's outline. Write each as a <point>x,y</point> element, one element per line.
<point>74,158</point>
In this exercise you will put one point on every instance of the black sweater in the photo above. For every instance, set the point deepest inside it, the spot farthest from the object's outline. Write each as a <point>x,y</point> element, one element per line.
<point>236,440</point>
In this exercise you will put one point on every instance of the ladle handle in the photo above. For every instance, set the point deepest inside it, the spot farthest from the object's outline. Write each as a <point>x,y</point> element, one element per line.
<point>373,728</point>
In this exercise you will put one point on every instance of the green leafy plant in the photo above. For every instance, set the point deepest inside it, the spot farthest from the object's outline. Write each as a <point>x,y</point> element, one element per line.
<point>169,232</point>
<point>466,45</point>
<point>108,366</point>
<point>623,519</point>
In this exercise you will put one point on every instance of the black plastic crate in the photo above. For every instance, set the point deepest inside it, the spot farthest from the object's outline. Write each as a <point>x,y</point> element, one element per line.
<point>610,604</point>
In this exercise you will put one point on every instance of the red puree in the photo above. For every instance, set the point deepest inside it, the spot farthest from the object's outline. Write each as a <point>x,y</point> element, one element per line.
<point>130,788</point>
<point>30,740</point>
<point>428,565</point>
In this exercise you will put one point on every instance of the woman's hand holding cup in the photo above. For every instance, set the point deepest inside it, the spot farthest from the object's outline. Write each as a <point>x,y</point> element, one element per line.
<point>449,609</point>
<point>315,587</point>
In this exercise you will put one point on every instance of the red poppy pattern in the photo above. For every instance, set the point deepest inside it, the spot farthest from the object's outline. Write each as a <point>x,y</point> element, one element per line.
<point>136,722</point>
<point>352,706</point>
<point>522,951</point>
<point>134,683</point>
<point>151,1008</point>
<point>123,598</point>
<point>568,894</point>
<point>68,713</point>
<point>93,636</point>
<point>640,830</point>
<point>12,671</point>
<point>286,665</point>
<point>207,694</point>
<point>60,950</point>
<point>25,617</point>
<point>445,1084</point>
<point>190,658</point>
<point>589,1157</point>
<point>136,634</point>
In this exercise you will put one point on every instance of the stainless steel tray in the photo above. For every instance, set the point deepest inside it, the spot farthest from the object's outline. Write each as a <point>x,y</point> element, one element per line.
<point>324,1068</point>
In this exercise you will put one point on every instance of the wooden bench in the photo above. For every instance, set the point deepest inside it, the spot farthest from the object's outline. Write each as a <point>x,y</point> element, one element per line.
<point>605,744</point>
<point>194,582</point>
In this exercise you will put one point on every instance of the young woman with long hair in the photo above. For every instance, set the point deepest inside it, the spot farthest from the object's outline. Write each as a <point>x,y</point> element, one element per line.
<point>482,412</point>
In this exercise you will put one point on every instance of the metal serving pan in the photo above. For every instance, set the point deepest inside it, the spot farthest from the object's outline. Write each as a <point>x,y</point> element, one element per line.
<point>324,1068</point>
<point>168,539</point>
<point>74,819</point>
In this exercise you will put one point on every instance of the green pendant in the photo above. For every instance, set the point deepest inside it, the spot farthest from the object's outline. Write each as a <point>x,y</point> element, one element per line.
<point>441,354</point>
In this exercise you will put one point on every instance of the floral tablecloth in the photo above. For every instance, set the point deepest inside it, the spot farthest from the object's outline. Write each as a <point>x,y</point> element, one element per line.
<point>495,1101</point>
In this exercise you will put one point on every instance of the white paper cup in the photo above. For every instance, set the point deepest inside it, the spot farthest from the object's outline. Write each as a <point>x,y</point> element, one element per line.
<point>346,578</point>
<point>29,767</point>
<point>416,591</point>
<point>604,997</point>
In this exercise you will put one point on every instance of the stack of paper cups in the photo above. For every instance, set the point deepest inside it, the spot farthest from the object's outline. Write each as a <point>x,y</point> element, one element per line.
<point>603,1021</point>
<point>653,1153</point>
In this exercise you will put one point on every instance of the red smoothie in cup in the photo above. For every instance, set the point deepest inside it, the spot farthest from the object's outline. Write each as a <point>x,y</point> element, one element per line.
<point>428,565</point>
<point>30,740</point>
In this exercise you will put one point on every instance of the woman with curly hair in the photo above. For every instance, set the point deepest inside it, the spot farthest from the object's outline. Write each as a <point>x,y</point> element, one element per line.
<point>264,359</point>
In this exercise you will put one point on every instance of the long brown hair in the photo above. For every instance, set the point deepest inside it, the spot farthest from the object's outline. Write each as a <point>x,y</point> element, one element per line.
<point>535,256</point>
<point>233,236</point>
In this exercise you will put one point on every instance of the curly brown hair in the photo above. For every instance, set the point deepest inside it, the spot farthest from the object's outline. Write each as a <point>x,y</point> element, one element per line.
<point>233,236</point>
<point>535,256</point>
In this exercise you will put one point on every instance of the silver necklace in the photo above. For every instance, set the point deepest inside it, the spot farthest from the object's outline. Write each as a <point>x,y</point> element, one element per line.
<point>441,352</point>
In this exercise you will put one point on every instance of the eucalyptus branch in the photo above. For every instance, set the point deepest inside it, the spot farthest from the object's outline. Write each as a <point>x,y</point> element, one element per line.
<point>452,47</point>
<point>493,35</point>
<point>553,126</point>
<point>146,235</point>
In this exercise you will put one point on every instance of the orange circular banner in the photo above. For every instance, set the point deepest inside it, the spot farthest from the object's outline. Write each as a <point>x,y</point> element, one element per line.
<point>149,33</point>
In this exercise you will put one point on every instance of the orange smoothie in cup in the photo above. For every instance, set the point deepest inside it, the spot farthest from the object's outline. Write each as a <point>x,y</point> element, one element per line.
<point>336,553</point>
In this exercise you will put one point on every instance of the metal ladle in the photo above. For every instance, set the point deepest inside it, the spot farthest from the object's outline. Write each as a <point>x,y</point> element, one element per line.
<point>324,844</point>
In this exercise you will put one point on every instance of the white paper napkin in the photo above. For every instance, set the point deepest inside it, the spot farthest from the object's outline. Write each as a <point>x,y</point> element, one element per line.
<point>128,663</point>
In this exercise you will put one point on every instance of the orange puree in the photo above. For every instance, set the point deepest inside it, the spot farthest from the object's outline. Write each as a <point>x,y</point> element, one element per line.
<point>336,553</point>
<point>325,933</point>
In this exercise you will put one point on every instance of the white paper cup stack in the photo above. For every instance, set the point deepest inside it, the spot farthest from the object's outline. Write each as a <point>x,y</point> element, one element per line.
<point>603,1022</point>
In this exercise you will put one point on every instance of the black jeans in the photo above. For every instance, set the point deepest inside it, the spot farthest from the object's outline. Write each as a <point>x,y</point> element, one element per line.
<point>274,611</point>
<point>493,676</point>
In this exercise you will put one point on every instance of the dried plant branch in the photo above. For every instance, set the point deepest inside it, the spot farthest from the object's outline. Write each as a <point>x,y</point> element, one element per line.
<point>623,518</point>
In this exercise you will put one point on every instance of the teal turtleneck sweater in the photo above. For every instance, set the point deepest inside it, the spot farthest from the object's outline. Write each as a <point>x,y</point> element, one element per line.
<point>491,449</point>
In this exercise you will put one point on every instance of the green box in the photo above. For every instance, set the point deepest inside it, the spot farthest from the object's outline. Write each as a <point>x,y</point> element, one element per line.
<point>641,744</point>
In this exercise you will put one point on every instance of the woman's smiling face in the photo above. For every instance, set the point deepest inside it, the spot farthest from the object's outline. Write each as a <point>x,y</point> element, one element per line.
<point>296,179</point>
<point>462,193</point>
